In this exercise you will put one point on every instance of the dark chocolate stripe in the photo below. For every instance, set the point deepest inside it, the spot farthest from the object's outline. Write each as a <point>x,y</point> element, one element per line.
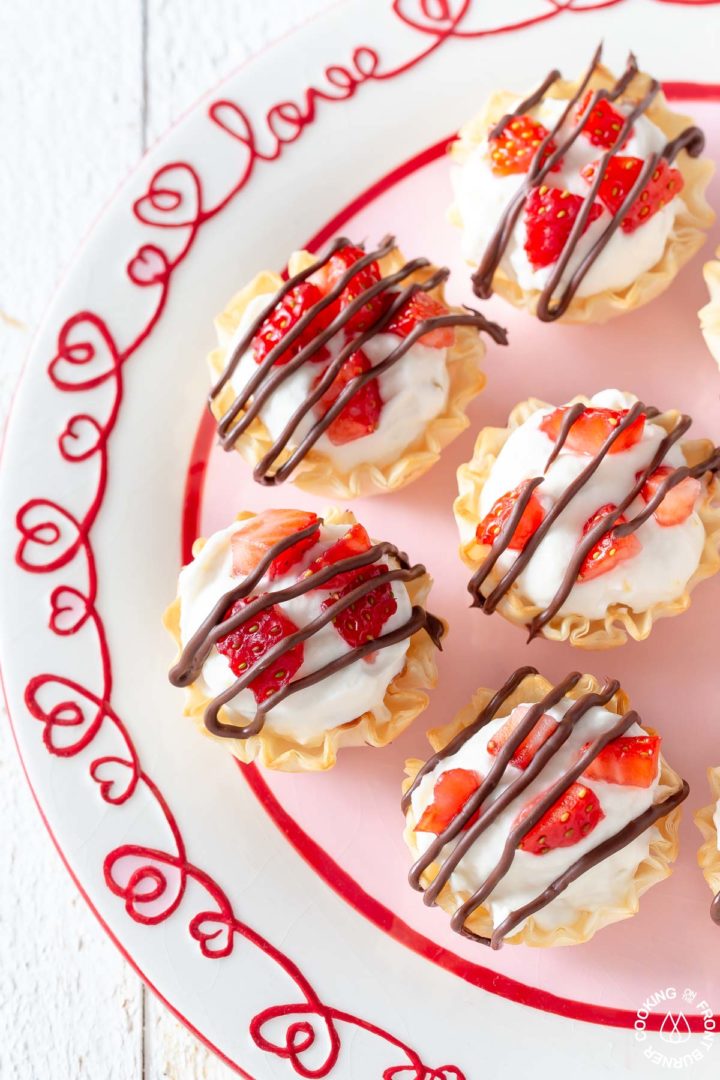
<point>268,378</point>
<point>607,524</point>
<point>715,909</point>
<point>691,139</point>
<point>215,626</point>
<point>463,838</point>
<point>466,733</point>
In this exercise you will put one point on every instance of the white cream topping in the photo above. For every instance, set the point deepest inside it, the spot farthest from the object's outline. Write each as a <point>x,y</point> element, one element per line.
<point>413,391</point>
<point>360,687</point>
<point>716,821</point>
<point>481,197</point>
<point>602,886</point>
<point>670,553</point>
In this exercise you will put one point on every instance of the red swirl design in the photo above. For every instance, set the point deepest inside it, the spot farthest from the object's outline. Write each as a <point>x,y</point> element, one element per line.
<point>152,883</point>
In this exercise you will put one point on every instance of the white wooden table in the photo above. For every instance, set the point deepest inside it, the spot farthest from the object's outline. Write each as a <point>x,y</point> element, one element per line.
<point>85,87</point>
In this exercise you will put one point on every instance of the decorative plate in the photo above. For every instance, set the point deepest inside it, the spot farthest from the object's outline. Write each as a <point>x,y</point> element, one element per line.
<point>271,912</point>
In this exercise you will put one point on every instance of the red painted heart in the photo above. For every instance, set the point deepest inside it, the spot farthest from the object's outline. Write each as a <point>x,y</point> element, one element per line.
<point>149,266</point>
<point>116,777</point>
<point>214,933</point>
<point>69,610</point>
<point>82,437</point>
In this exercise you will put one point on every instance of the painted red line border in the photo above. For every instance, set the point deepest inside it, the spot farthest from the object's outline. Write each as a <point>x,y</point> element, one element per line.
<point>333,874</point>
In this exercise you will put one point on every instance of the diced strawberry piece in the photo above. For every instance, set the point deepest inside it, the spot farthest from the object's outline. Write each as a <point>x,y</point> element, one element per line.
<point>286,314</point>
<point>354,542</point>
<point>513,149</point>
<point>246,645</point>
<point>573,816</point>
<point>592,428</point>
<point>361,415</point>
<point>419,307</point>
<point>550,214</point>
<point>363,620</point>
<point>603,123</point>
<point>679,503</point>
<point>530,745</point>
<point>491,525</point>
<point>255,538</point>
<point>335,268</point>
<point>631,760</point>
<point>451,792</point>
<point>610,550</point>
<point>665,183</point>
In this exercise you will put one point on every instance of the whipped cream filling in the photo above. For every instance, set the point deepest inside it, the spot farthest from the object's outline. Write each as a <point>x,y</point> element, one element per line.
<point>413,391</point>
<point>604,885</point>
<point>304,716</point>
<point>481,197</point>
<point>716,821</point>
<point>669,555</point>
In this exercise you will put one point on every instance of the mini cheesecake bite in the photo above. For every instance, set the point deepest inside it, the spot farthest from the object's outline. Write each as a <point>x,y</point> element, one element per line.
<point>543,814</point>
<point>582,200</point>
<point>590,520</point>
<point>299,635</point>
<point>708,822</point>
<point>349,377</point>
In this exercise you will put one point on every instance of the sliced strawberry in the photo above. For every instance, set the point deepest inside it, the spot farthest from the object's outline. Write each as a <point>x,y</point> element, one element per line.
<point>592,428</point>
<point>610,550</point>
<point>493,522</point>
<point>335,268</point>
<point>246,645</point>
<point>631,760</point>
<point>363,621</point>
<point>451,792</point>
<point>420,306</point>
<point>550,214</point>
<point>679,503</point>
<point>286,314</point>
<point>513,149</point>
<point>251,542</point>
<point>354,542</point>
<point>530,745</point>
<point>603,123</point>
<point>361,415</point>
<point>573,816</point>
<point>620,176</point>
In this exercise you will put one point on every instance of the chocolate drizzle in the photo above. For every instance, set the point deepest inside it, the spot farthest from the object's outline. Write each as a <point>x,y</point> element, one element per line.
<point>465,835</point>
<point>489,602</point>
<point>217,624</point>
<point>268,377</point>
<point>550,307</point>
<point>715,909</point>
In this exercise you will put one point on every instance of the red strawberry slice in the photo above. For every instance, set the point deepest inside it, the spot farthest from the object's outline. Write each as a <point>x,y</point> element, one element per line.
<point>528,748</point>
<point>620,176</point>
<point>419,307</point>
<point>550,214</point>
<point>513,149</point>
<point>451,792</point>
<point>630,760</point>
<point>256,536</point>
<point>286,314</point>
<point>492,524</point>
<point>361,415</point>
<point>592,428</point>
<point>573,816</point>
<point>355,542</point>
<point>338,265</point>
<point>603,123</point>
<point>610,549</point>
<point>363,620</point>
<point>679,503</point>
<point>246,645</point>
